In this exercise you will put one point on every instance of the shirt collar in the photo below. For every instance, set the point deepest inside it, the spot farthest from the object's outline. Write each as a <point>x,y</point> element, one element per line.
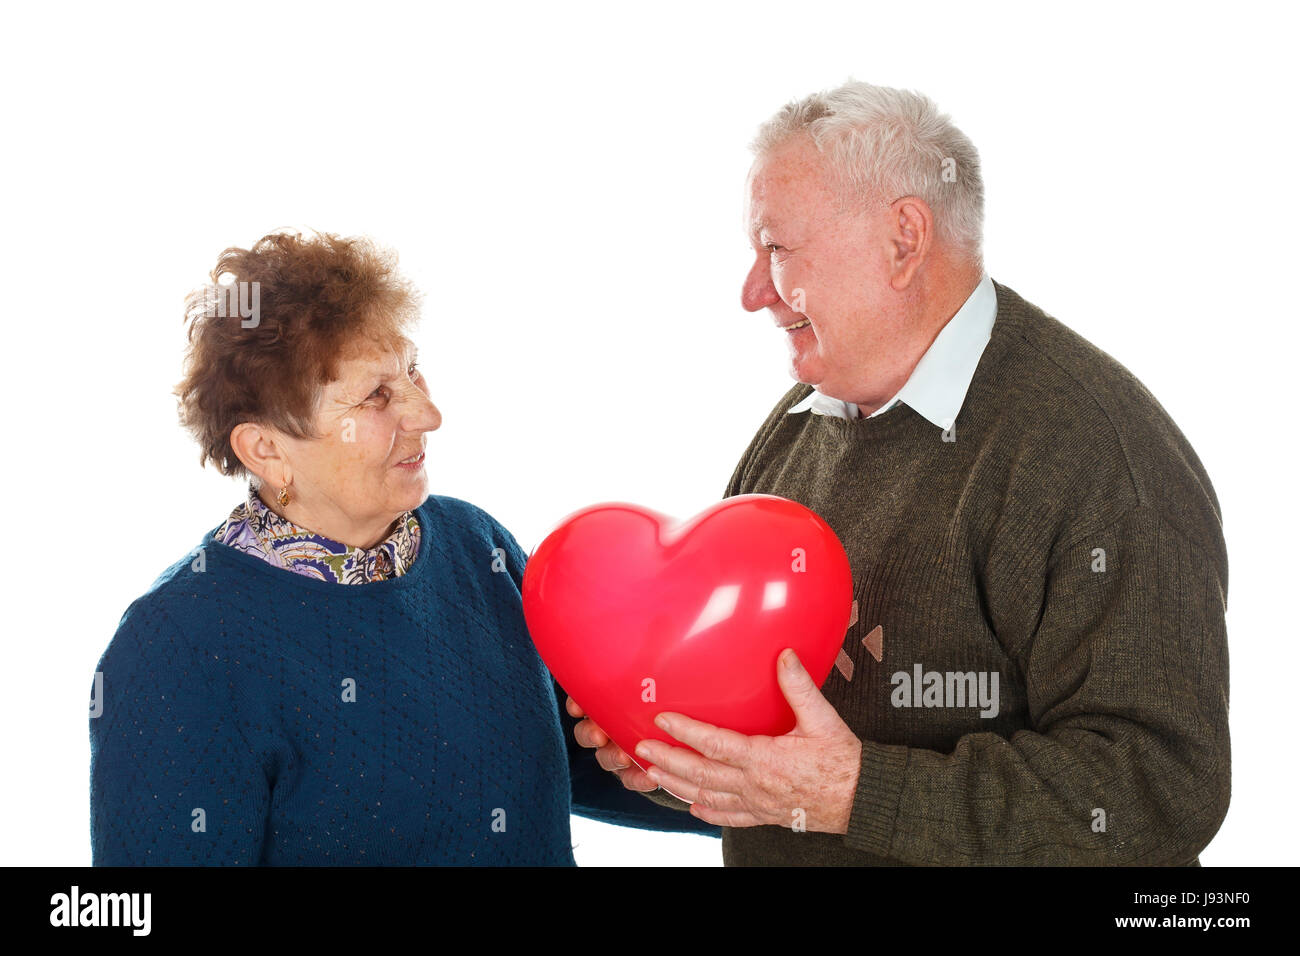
<point>937,386</point>
<point>255,529</point>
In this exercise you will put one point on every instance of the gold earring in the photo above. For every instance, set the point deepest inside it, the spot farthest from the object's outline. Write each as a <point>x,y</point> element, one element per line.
<point>283,496</point>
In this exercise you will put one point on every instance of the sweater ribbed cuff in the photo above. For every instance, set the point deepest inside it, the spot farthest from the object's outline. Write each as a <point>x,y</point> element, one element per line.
<point>875,805</point>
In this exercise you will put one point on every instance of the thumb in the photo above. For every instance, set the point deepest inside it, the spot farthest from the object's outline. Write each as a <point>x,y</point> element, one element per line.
<point>813,713</point>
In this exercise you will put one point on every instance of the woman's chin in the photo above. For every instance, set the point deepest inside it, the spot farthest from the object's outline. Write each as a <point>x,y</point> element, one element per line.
<point>415,488</point>
<point>417,497</point>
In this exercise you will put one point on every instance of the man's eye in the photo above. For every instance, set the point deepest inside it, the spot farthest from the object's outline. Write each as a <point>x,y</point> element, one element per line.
<point>413,371</point>
<point>773,247</point>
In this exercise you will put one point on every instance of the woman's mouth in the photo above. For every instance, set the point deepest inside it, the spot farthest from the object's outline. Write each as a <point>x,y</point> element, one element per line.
<point>413,463</point>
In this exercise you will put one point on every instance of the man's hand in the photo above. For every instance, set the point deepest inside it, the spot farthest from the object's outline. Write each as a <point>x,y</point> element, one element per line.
<point>608,754</point>
<point>807,777</point>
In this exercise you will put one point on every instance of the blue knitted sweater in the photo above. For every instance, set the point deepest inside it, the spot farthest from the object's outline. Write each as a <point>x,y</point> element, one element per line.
<point>249,715</point>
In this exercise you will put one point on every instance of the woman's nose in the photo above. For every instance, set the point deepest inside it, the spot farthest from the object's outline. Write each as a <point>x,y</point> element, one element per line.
<point>422,415</point>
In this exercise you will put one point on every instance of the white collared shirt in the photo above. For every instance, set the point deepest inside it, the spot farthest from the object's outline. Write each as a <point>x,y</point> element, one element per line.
<point>937,386</point>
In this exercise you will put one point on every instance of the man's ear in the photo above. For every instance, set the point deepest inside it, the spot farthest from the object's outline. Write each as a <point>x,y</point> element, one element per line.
<point>259,448</point>
<point>911,236</point>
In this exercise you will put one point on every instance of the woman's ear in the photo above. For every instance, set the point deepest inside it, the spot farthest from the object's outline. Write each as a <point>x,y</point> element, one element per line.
<point>260,450</point>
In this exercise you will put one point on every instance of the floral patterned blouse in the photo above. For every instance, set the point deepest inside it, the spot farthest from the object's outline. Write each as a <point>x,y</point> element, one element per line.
<point>257,530</point>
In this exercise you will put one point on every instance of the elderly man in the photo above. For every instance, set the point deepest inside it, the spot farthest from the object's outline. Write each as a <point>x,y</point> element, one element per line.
<point>1037,672</point>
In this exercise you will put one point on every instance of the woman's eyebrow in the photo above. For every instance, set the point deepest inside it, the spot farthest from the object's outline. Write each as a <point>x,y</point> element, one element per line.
<point>387,375</point>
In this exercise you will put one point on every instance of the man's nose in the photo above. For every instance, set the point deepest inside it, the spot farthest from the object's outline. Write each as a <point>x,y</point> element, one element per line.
<point>758,291</point>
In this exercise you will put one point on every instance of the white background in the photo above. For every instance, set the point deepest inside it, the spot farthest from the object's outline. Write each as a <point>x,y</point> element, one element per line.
<point>564,183</point>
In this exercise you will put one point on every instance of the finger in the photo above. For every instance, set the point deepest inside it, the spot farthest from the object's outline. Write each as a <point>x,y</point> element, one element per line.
<point>724,818</point>
<point>572,707</point>
<point>689,767</point>
<point>679,787</point>
<point>715,743</point>
<point>813,713</point>
<point>718,801</point>
<point>612,757</point>
<point>634,778</point>
<point>590,735</point>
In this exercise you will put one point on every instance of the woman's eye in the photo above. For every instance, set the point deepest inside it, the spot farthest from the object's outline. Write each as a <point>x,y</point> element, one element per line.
<point>772,247</point>
<point>413,371</point>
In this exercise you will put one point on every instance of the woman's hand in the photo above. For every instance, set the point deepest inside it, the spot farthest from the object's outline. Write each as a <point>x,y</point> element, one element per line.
<point>608,754</point>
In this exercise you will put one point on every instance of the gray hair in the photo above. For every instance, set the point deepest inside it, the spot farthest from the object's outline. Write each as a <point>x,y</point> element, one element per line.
<point>880,140</point>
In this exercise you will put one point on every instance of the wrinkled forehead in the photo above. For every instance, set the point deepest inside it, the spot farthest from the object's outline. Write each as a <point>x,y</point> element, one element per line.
<point>791,181</point>
<point>368,358</point>
<point>763,200</point>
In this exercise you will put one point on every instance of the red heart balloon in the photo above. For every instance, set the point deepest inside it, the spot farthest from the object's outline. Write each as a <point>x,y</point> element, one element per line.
<point>636,613</point>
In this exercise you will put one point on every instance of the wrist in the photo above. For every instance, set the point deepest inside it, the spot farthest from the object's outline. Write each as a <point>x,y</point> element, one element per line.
<point>846,789</point>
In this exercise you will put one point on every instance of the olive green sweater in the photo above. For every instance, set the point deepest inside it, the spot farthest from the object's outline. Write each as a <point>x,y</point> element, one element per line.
<point>1062,537</point>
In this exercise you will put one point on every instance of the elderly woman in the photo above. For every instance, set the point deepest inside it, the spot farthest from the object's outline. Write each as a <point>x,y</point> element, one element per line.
<point>339,672</point>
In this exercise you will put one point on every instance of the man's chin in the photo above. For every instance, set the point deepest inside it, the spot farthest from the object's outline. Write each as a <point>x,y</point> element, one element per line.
<point>805,373</point>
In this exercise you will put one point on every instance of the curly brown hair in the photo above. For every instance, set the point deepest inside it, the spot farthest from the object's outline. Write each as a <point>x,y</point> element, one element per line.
<point>319,300</point>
